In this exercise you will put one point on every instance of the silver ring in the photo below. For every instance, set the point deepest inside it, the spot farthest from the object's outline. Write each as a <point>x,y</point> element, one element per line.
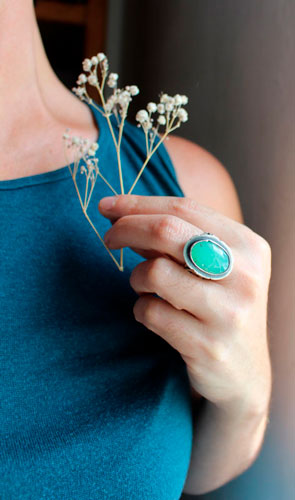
<point>208,257</point>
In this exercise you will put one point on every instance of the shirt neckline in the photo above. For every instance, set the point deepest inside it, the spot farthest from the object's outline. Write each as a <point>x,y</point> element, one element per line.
<point>61,172</point>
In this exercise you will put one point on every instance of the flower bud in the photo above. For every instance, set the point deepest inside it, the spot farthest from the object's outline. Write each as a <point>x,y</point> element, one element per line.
<point>164,98</point>
<point>161,108</point>
<point>92,79</point>
<point>134,90</point>
<point>169,106</point>
<point>182,115</point>
<point>161,120</point>
<point>100,56</point>
<point>178,99</point>
<point>87,65</point>
<point>151,107</point>
<point>142,116</point>
<point>81,79</point>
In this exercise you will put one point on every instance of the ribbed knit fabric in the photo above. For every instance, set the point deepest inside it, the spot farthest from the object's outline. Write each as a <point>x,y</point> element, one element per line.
<point>93,405</point>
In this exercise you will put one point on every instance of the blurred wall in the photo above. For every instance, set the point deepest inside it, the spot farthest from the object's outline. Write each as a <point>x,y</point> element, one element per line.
<point>235,61</point>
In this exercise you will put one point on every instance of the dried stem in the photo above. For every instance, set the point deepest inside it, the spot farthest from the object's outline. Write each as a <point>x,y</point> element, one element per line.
<point>84,209</point>
<point>174,105</point>
<point>149,156</point>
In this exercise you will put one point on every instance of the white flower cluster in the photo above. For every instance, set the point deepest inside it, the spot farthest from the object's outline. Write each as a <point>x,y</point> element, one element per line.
<point>91,170</point>
<point>90,66</point>
<point>84,146</point>
<point>121,98</point>
<point>169,109</point>
<point>112,80</point>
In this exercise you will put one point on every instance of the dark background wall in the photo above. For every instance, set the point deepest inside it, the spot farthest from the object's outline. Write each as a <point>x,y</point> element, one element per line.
<point>235,61</point>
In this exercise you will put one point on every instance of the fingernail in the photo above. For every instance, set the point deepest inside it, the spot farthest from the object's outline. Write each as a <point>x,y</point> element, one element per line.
<point>106,238</point>
<point>107,203</point>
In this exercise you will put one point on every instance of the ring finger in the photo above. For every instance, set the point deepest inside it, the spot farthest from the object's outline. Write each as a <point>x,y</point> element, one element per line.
<point>181,289</point>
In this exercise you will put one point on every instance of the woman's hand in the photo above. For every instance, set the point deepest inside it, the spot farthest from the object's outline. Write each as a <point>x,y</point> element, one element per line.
<point>218,327</point>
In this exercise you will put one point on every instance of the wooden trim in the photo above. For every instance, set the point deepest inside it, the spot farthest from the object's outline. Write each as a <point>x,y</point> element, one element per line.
<point>61,12</point>
<point>96,27</point>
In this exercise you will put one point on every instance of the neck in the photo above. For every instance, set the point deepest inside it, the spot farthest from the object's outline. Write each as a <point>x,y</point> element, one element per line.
<point>31,95</point>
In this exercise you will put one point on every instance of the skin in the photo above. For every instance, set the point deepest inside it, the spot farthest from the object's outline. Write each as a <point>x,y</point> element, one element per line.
<point>35,105</point>
<point>219,328</point>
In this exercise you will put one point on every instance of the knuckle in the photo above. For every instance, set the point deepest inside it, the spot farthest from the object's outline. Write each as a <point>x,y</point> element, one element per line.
<point>234,317</point>
<point>180,206</point>
<point>135,274</point>
<point>126,200</point>
<point>219,351</point>
<point>249,280</point>
<point>259,246</point>
<point>263,246</point>
<point>157,270</point>
<point>148,310</point>
<point>165,228</point>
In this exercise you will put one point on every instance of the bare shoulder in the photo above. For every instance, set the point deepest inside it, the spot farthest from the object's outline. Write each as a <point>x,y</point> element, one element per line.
<point>203,178</point>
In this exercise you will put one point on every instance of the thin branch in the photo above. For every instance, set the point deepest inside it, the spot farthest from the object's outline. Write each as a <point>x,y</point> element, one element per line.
<point>148,157</point>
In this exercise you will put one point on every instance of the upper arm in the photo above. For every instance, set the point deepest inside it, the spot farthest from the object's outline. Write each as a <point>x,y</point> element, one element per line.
<point>203,178</point>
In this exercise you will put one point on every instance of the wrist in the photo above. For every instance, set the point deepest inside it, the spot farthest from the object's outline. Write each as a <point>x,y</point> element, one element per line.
<point>237,413</point>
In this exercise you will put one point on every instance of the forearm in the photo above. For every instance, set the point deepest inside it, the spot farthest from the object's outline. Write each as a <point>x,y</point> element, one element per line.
<point>223,446</point>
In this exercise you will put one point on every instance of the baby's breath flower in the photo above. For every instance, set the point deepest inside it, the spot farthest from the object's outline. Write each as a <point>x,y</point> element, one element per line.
<point>110,104</point>
<point>161,109</point>
<point>94,146</point>
<point>114,76</point>
<point>164,98</point>
<point>142,116</point>
<point>112,80</point>
<point>87,64</point>
<point>92,79</point>
<point>94,60</point>
<point>81,79</point>
<point>104,65</point>
<point>80,91</point>
<point>76,140</point>
<point>134,90</point>
<point>178,99</point>
<point>169,106</point>
<point>168,109</point>
<point>147,125</point>
<point>151,107</point>
<point>161,120</point>
<point>111,83</point>
<point>101,56</point>
<point>182,115</point>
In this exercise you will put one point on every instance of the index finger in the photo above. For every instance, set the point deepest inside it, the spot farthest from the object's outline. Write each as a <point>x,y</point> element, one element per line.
<point>187,209</point>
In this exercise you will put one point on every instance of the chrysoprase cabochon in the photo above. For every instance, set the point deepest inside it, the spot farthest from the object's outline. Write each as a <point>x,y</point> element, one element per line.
<point>208,256</point>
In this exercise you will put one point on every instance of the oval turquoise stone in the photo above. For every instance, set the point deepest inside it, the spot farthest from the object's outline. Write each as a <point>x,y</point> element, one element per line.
<point>210,257</point>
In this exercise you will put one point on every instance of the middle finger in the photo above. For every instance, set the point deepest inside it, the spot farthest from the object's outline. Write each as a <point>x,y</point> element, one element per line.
<point>166,234</point>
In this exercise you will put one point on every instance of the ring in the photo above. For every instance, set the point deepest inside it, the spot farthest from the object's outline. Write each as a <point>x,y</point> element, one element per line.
<point>208,257</point>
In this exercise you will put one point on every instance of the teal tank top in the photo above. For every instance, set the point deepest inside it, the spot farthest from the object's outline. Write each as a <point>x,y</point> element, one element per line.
<point>93,405</point>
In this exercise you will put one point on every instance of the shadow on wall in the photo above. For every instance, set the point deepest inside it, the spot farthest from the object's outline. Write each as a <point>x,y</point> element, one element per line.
<point>235,61</point>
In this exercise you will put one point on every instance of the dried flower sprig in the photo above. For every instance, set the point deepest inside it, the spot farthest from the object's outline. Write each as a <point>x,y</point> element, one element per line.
<point>168,113</point>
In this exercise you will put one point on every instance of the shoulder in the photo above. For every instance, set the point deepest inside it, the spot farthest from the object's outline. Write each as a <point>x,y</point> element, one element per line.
<point>203,178</point>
